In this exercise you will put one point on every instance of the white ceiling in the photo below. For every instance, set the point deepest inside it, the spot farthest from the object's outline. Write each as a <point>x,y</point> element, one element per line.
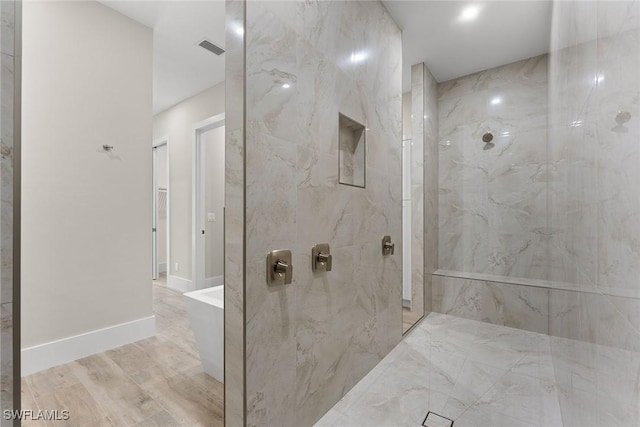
<point>504,32</point>
<point>181,68</point>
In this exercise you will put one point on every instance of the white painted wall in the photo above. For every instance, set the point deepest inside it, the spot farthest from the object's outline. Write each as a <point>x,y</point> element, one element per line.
<point>213,141</point>
<point>86,222</point>
<point>176,124</point>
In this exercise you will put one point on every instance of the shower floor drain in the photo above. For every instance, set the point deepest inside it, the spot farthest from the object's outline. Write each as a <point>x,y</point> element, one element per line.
<point>434,420</point>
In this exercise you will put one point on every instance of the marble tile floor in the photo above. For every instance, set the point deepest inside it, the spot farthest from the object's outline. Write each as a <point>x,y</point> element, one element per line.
<point>154,382</point>
<point>484,375</point>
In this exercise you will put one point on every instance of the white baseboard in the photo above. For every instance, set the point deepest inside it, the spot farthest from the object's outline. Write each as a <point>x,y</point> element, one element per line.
<point>179,284</point>
<point>162,267</point>
<point>210,282</point>
<point>59,352</point>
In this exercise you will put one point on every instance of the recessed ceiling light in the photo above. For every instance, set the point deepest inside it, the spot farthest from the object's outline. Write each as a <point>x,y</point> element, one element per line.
<point>469,13</point>
<point>286,85</point>
<point>497,100</point>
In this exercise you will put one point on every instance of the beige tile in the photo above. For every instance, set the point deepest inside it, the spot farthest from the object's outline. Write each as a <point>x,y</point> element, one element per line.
<point>46,381</point>
<point>124,400</point>
<point>168,354</point>
<point>84,409</point>
<point>161,419</point>
<point>130,358</point>
<point>182,337</point>
<point>29,403</point>
<point>187,401</point>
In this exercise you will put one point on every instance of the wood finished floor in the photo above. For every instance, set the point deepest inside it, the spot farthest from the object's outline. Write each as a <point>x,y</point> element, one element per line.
<point>409,318</point>
<point>154,382</point>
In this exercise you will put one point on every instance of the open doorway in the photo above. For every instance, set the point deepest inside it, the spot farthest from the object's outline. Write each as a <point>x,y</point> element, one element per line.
<point>208,202</point>
<point>112,92</point>
<point>160,226</point>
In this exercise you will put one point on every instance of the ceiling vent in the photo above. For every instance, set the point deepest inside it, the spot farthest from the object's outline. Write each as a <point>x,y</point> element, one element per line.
<point>211,47</point>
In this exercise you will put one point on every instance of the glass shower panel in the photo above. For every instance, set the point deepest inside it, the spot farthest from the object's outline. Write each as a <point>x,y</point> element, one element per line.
<point>593,211</point>
<point>411,312</point>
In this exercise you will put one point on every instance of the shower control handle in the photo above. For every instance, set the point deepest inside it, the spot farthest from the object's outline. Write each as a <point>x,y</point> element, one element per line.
<point>325,259</point>
<point>279,267</point>
<point>321,258</point>
<point>388,248</point>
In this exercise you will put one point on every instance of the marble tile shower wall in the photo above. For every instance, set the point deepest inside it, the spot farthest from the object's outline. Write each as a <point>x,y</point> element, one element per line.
<point>493,200</point>
<point>418,102</point>
<point>234,350</point>
<point>309,342</point>
<point>424,185</point>
<point>594,206</point>
<point>594,159</point>
<point>10,58</point>
<point>541,231</point>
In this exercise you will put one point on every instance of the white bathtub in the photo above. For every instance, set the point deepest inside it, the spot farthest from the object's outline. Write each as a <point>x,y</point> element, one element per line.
<point>206,316</point>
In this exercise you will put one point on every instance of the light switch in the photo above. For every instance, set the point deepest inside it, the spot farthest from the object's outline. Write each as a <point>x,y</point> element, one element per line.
<point>211,217</point>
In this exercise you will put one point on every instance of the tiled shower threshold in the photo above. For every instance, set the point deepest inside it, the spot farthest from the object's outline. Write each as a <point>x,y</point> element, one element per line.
<point>483,375</point>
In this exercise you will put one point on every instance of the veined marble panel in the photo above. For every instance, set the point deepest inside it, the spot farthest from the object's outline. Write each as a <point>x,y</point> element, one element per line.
<point>7,27</point>
<point>424,186</point>
<point>492,204</point>
<point>6,360</point>
<point>431,197</point>
<point>9,63</point>
<point>516,306</point>
<point>618,156</point>
<point>234,296</point>
<point>593,202</point>
<point>595,318</point>
<point>309,342</point>
<point>418,114</point>
<point>6,176</point>
<point>481,374</point>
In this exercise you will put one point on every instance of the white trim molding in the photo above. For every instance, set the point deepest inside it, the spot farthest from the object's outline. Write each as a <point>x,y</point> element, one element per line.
<point>55,353</point>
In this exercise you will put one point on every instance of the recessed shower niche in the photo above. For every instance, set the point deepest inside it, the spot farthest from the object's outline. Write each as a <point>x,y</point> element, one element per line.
<point>352,143</point>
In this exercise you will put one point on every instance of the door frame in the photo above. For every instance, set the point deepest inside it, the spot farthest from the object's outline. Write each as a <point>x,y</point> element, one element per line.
<point>155,266</point>
<point>198,215</point>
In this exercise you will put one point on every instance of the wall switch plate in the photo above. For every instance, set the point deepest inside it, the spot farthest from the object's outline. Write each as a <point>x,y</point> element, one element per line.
<point>177,266</point>
<point>211,217</point>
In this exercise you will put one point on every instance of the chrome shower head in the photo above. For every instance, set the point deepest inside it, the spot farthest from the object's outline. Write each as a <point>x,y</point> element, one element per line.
<point>622,117</point>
